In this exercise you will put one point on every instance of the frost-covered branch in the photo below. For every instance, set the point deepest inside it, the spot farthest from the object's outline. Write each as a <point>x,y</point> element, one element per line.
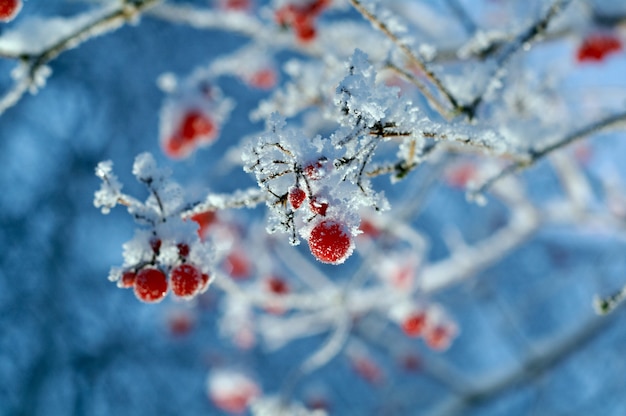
<point>535,155</point>
<point>37,42</point>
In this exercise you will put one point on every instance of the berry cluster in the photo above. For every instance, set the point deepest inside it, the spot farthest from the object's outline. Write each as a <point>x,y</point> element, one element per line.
<point>194,128</point>
<point>429,323</point>
<point>301,18</point>
<point>9,9</point>
<point>151,284</point>
<point>597,46</point>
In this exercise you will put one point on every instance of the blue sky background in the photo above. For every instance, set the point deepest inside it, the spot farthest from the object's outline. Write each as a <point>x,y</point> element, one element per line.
<point>71,343</point>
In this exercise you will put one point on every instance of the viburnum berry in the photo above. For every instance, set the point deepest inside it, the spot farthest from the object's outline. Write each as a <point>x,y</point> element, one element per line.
<point>264,78</point>
<point>204,220</point>
<point>460,175</point>
<point>319,207</point>
<point>330,242</point>
<point>597,46</point>
<point>195,127</point>
<point>195,124</point>
<point>369,228</point>
<point>186,281</point>
<point>439,337</point>
<point>155,244</point>
<point>415,323</point>
<point>231,391</point>
<point>183,249</point>
<point>296,197</point>
<point>127,280</point>
<point>180,323</point>
<point>277,285</point>
<point>237,265</point>
<point>9,9</point>
<point>235,4</point>
<point>301,18</point>
<point>367,369</point>
<point>314,170</point>
<point>150,285</point>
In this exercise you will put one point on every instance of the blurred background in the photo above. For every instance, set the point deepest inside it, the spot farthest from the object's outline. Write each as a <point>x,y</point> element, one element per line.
<point>71,343</point>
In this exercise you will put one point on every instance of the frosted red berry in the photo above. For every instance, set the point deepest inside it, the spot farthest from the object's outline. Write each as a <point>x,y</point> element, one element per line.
<point>194,125</point>
<point>205,220</point>
<point>264,78</point>
<point>237,265</point>
<point>127,280</point>
<point>9,9</point>
<point>186,281</point>
<point>150,285</point>
<point>415,324</point>
<point>235,4</point>
<point>183,249</point>
<point>330,242</point>
<point>596,47</point>
<point>301,18</point>
<point>318,206</point>
<point>314,170</point>
<point>155,244</point>
<point>439,337</point>
<point>296,197</point>
<point>277,285</point>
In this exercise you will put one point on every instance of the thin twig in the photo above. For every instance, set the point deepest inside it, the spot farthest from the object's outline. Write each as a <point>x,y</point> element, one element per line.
<point>537,154</point>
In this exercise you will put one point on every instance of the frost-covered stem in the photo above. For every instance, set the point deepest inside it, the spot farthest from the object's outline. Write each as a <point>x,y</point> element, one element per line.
<point>329,350</point>
<point>537,364</point>
<point>535,155</point>
<point>127,11</point>
<point>410,54</point>
<point>604,306</point>
<point>248,198</point>
<point>302,267</point>
<point>573,181</point>
<point>448,115</point>
<point>241,23</point>
<point>467,261</point>
<point>14,95</point>
<point>522,41</point>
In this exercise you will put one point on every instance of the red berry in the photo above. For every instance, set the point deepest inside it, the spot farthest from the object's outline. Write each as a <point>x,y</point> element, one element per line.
<point>318,207</point>
<point>194,125</point>
<point>460,175</point>
<point>314,170</point>
<point>127,280</point>
<point>204,220</point>
<point>150,285</point>
<point>186,281</point>
<point>296,197</point>
<point>235,4</point>
<point>183,249</point>
<point>330,243</point>
<point>369,228</point>
<point>277,285</point>
<point>180,323</point>
<point>155,243</point>
<point>367,369</point>
<point>305,31</point>
<point>9,9</point>
<point>264,78</point>
<point>439,337</point>
<point>237,265</point>
<point>415,324</point>
<point>596,47</point>
<point>205,283</point>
